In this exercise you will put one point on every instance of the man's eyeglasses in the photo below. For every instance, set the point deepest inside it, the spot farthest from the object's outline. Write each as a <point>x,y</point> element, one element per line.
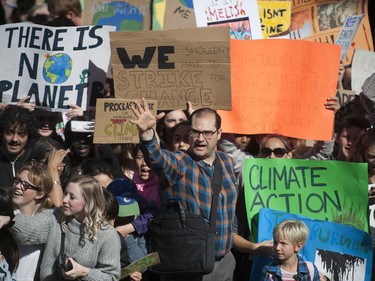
<point>24,184</point>
<point>206,134</point>
<point>278,152</point>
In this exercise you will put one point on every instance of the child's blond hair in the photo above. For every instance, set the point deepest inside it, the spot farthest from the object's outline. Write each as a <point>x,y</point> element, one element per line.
<point>294,231</point>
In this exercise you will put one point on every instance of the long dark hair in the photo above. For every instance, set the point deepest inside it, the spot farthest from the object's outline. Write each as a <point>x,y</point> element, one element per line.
<point>42,148</point>
<point>8,246</point>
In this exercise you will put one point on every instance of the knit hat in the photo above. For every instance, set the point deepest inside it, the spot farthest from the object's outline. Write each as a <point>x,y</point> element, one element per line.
<point>367,96</point>
<point>126,194</point>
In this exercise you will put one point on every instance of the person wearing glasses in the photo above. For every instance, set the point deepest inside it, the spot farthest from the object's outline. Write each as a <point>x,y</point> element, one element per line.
<point>275,146</point>
<point>31,188</point>
<point>80,244</point>
<point>187,177</point>
<point>270,146</point>
<point>53,154</point>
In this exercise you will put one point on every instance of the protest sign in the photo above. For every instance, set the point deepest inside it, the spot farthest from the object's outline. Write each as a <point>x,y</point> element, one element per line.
<point>274,17</point>
<point>321,21</point>
<point>123,14</point>
<point>158,13</point>
<point>241,16</point>
<point>339,251</point>
<point>140,265</point>
<point>278,88</point>
<point>347,33</point>
<point>55,66</point>
<point>328,190</point>
<point>362,67</point>
<point>345,96</point>
<point>179,14</point>
<point>173,67</point>
<point>112,123</point>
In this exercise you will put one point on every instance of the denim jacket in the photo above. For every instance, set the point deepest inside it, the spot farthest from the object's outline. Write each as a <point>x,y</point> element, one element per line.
<point>273,272</point>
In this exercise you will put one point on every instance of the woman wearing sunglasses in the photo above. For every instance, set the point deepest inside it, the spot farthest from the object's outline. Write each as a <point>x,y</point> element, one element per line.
<point>275,146</point>
<point>31,188</point>
<point>270,146</point>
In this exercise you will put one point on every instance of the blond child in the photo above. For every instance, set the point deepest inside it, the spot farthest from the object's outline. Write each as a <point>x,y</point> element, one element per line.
<point>288,239</point>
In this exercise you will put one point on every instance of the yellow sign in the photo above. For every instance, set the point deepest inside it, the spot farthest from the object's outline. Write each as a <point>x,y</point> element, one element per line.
<point>274,17</point>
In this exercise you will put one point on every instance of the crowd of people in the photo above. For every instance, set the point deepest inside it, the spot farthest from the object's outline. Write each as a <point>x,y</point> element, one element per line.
<point>74,210</point>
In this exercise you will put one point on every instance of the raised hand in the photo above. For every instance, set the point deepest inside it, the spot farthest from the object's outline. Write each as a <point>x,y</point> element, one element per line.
<point>74,111</point>
<point>30,106</point>
<point>145,120</point>
<point>333,104</point>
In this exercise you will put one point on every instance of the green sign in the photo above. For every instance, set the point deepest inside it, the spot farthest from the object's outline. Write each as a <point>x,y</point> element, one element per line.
<point>326,190</point>
<point>141,264</point>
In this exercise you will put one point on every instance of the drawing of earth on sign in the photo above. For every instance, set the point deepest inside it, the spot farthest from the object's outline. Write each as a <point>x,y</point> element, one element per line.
<point>57,68</point>
<point>120,14</point>
<point>187,3</point>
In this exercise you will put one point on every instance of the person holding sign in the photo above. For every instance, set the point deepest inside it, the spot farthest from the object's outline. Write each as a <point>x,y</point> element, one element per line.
<point>288,239</point>
<point>363,151</point>
<point>187,177</point>
<point>275,146</point>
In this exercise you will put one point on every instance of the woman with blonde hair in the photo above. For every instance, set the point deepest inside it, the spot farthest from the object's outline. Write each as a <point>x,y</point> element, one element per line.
<point>30,195</point>
<point>79,242</point>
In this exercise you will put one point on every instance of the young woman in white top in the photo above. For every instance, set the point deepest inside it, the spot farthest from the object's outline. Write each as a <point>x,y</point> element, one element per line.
<point>31,188</point>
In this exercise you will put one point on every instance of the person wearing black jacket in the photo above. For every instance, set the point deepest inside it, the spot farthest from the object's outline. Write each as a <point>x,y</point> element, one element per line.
<point>17,131</point>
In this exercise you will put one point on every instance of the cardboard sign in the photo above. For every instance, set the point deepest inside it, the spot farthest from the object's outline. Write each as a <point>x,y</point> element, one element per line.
<point>340,252</point>
<point>345,96</point>
<point>173,67</point>
<point>141,264</point>
<point>241,16</point>
<point>179,14</point>
<point>362,67</point>
<point>274,17</point>
<point>321,21</point>
<point>278,88</point>
<point>55,66</point>
<point>316,189</point>
<point>347,33</point>
<point>123,14</point>
<point>112,123</point>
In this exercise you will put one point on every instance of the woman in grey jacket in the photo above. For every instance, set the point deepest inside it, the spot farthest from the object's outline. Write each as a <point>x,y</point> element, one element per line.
<point>79,242</point>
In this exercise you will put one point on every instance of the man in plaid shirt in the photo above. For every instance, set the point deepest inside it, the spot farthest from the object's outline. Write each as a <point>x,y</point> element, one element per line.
<point>187,176</point>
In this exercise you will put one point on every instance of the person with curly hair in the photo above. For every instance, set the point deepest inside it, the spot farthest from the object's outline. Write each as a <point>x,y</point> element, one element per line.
<point>17,131</point>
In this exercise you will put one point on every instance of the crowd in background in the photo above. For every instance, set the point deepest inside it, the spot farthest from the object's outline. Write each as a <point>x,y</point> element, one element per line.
<point>71,209</point>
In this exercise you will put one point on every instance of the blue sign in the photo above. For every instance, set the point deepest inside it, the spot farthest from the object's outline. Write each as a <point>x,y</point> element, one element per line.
<point>339,251</point>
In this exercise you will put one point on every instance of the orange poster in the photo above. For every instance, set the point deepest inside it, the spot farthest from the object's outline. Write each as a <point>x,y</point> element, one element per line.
<point>280,86</point>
